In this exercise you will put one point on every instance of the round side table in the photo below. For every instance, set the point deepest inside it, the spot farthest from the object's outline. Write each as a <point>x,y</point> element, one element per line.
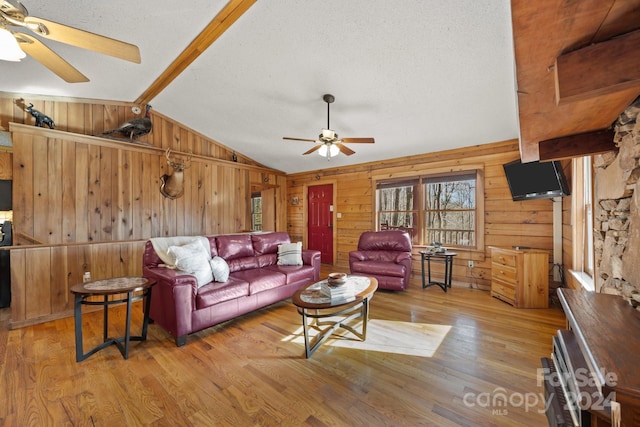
<point>135,289</point>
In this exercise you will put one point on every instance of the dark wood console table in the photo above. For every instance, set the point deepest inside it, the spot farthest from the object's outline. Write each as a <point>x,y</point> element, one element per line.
<point>603,336</point>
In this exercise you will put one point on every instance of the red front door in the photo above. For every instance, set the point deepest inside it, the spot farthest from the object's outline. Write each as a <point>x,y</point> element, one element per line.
<point>320,212</point>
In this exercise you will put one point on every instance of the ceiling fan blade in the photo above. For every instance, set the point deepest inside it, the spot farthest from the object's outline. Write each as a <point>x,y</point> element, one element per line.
<point>315,148</point>
<point>358,140</point>
<point>41,53</point>
<point>298,139</point>
<point>345,150</point>
<point>84,39</point>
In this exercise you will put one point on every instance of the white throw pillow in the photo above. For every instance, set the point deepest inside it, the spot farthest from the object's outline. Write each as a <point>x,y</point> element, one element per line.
<point>220,269</point>
<point>191,248</point>
<point>290,254</point>
<point>193,258</point>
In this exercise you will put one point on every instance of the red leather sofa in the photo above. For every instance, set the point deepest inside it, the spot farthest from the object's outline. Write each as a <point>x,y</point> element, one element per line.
<point>385,255</point>
<point>255,281</point>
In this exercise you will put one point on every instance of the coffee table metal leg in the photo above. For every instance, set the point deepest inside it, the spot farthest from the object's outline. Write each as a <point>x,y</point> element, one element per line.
<point>145,318</point>
<point>305,326</point>
<point>365,318</point>
<point>446,274</point>
<point>77,312</point>
<point>105,318</point>
<point>127,327</point>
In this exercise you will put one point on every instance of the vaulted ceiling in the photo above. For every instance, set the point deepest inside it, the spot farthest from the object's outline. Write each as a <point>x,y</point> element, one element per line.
<point>418,76</point>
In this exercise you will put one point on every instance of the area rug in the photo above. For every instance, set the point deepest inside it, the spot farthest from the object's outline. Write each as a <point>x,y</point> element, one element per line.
<point>412,339</point>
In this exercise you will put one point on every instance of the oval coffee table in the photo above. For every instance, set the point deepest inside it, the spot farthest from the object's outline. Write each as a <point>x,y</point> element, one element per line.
<point>313,305</point>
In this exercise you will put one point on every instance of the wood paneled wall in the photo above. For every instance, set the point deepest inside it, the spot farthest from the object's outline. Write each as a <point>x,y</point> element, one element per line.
<point>42,276</point>
<point>87,203</point>
<point>91,117</point>
<point>506,223</point>
<point>72,188</point>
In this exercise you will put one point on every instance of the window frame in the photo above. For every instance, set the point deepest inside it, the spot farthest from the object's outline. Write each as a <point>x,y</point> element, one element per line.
<point>415,212</point>
<point>583,252</point>
<point>255,224</point>
<point>419,223</point>
<point>426,210</point>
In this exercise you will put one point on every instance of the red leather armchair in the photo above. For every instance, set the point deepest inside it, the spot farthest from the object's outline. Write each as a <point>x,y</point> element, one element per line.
<point>385,255</point>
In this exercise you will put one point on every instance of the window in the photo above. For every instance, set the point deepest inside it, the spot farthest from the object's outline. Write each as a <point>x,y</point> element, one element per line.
<point>256,212</point>
<point>582,219</point>
<point>397,205</point>
<point>450,210</point>
<point>588,217</point>
<point>432,208</point>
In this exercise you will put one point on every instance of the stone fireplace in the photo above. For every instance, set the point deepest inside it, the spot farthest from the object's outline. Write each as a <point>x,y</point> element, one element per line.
<point>617,210</point>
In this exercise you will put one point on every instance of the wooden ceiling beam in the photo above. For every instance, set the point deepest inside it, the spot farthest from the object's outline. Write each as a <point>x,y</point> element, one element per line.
<point>218,25</point>
<point>623,16</point>
<point>598,69</point>
<point>541,34</point>
<point>583,144</point>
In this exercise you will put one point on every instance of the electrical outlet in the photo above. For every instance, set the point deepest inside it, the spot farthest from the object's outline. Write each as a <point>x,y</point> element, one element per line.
<point>470,264</point>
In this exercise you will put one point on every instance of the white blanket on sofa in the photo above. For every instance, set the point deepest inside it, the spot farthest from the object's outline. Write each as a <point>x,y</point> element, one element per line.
<point>161,246</point>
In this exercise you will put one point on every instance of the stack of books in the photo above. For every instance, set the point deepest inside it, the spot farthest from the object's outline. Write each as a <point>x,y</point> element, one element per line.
<point>342,292</point>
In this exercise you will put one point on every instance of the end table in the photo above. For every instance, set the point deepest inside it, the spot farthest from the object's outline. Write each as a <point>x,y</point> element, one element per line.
<point>447,258</point>
<point>107,288</point>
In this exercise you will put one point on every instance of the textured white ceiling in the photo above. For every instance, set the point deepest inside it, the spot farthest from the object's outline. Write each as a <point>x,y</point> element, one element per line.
<point>418,76</point>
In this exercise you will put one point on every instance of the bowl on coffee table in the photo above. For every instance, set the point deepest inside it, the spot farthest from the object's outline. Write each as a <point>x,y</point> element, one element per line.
<point>337,279</point>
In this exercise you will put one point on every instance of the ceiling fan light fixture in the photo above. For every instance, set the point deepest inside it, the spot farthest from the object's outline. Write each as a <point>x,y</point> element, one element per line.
<point>328,151</point>
<point>9,48</point>
<point>328,143</point>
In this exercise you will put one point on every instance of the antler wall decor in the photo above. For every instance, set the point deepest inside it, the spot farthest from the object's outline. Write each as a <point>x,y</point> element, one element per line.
<point>173,184</point>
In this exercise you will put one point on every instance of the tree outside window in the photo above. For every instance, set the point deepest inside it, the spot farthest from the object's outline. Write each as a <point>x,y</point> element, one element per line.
<point>438,208</point>
<point>397,206</point>
<point>450,210</point>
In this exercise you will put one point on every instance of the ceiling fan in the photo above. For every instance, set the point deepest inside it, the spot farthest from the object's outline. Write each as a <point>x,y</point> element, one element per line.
<point>14,14</point>
<point>328,144</point>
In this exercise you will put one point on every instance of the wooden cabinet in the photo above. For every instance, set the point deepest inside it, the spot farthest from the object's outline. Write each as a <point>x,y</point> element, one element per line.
<point>520,277</point>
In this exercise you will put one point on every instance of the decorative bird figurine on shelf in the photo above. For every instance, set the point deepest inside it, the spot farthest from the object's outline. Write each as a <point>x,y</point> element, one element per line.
<point>134,128</point>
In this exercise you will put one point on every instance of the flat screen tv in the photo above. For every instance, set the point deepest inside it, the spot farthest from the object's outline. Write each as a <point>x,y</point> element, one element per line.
<point>536,180</point>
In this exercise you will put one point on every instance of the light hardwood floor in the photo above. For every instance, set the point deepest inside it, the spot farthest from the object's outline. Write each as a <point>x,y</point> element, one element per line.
<point>249,372</point>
